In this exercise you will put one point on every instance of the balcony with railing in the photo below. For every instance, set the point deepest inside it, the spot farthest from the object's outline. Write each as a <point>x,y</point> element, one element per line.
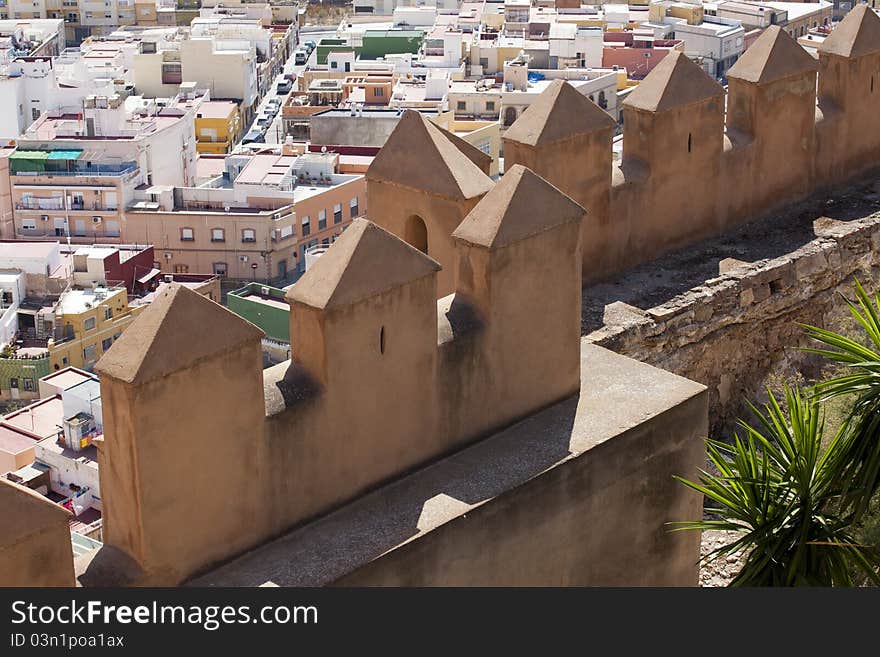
<point>91,169</point>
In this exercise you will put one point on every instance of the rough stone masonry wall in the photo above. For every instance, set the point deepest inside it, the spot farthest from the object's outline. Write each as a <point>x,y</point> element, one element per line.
<point>733,319</point>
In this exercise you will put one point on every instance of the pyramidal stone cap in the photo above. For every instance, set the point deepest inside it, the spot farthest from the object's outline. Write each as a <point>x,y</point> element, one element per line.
<point>675,82</point>
<point>559,113</point>
<point>365,261</point>
<point>521,205</point>
<point>774,55</point>
<point>857,35</point>
<point>418,155</point>
<point>177,330</point>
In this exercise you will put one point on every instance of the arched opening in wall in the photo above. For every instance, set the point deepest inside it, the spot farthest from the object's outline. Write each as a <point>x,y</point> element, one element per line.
<point>690,142</point>
<point>509,116</point>
<point>603,103</point>
<point>416,233</point>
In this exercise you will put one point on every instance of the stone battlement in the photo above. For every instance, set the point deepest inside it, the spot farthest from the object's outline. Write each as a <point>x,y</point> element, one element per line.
<point>696,160</point>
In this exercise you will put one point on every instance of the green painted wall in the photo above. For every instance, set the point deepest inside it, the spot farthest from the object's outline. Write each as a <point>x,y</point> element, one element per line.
<point>21,369</point>
<point>274,321</point>
<point>332,45</point>
<point>393,42</point>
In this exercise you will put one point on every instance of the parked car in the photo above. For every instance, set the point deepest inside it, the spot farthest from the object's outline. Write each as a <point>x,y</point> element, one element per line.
<point>310,46</point>
<point>284,87</point>
<point>300,57</point>
<point>254,135</point>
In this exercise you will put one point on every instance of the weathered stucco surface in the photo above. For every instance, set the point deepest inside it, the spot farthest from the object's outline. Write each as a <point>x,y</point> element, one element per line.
<point>35,548</point>
<point>729,330</point>
<point>577,494</point>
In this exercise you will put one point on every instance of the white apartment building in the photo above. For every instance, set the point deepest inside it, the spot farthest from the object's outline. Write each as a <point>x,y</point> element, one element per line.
<point>226,67</point>
<point>719,41</point>
<point>31,87</point>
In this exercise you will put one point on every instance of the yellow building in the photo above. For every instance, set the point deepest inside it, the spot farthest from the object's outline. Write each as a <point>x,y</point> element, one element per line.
<point>89,320</point>
<point>218,126</point>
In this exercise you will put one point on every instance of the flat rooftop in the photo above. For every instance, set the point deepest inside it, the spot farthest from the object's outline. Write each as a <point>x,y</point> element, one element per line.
<point>87,457</point>
<point>42,418</point>
<point>216,109</point>
<point>266,169</point>
<point>15,441</point>
<point>79,300</point>
<point>67,378</point>
<point>27,249</point>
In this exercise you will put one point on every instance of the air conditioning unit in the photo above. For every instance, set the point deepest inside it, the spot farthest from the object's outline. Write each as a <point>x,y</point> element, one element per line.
<point>168,277</point>
<point>264,290</point>
<point>96,220</point>
<point>243,258</point>
<point>44,217</point>
<point>167,255</point>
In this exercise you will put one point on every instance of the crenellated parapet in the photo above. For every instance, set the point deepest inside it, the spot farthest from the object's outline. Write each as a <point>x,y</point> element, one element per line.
<point>383,378</point>
<point>696,162</point>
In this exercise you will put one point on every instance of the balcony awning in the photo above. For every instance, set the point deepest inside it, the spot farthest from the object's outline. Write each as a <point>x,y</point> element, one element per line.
<point>29,155</point>
<point>64,155</point>
<point>153,273</point>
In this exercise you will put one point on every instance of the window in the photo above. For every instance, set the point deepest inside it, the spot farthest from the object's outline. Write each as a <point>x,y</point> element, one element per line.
<point>89,324</point>
<point>13,383</point>
<point>378,92</point>
<point>89,353</point>
<point>29,384</point>
<point>337,213</point>
<point>325,242</point>
<point>105,343</point>
<point>248,235</point>
<point>305,226</point>
<point>108,313</point>
<point>35,113</point>
<point>28,224</point>
<point>322,220</point>
<point>353,208</point>
<point>220,269</point>
<point>490,105</point>
<point>64,361</point>
<point>218,235</point>
<point>181,269</point>
<point>460,106</point>
<point>187,235</point>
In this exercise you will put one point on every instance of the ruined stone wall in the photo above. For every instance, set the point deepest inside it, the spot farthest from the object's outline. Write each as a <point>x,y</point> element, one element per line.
<point>732,330</point>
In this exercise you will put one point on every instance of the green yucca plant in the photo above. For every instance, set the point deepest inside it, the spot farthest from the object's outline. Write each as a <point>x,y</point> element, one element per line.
<point>785,495</point>
<point>861,381</point>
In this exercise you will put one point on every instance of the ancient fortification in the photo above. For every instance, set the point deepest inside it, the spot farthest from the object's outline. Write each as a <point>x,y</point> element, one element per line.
<point>441,421</point>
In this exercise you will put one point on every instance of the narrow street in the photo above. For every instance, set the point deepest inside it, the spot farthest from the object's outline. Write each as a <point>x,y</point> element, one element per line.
<point>274,133</point>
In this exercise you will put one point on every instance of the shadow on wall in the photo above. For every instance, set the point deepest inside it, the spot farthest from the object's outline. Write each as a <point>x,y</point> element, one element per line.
<point>394,514</point>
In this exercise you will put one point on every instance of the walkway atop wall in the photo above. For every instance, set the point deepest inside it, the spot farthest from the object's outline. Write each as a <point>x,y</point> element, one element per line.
<point>454,488</point>
<point>660,281</point>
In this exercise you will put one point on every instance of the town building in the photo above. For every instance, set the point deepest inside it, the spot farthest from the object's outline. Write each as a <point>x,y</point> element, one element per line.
<point>218,126</point>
